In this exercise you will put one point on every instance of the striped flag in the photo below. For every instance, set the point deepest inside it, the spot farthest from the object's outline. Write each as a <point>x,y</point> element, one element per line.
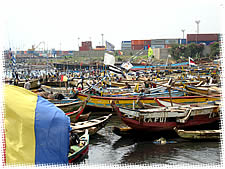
<point>116,70</point>
<point>36,131</point>
<point>109,46</point>
<point>191,62</point>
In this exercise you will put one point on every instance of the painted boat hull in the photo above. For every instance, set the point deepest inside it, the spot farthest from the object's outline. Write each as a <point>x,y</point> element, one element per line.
<point>80,151</point>
<point>105,102</point>
<point>199,134</point>
<point>33,84</point>
<point>71,106</point>
<point>201,90</point>
<point>165,121</point>
<point>94,125</point>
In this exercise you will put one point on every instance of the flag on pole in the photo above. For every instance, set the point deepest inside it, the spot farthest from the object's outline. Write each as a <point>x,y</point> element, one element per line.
<point>109,59</point>
<point>150,51</point>
<point>109,46</point>
<point>120,53</point>
<point>191,62</point>
<point>116,70</point>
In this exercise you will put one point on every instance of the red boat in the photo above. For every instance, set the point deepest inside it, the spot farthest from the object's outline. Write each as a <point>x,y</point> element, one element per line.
<point>80,150</point>
<point>166,118</point>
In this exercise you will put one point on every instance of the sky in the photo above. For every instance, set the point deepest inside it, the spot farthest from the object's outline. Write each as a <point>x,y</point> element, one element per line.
<point>65,23</point>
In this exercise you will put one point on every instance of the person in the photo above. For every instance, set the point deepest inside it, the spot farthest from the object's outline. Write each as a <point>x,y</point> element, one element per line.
<point>80,84</point>
<point>137,75</point>
<point>146,84</point>
<point>27,85</point>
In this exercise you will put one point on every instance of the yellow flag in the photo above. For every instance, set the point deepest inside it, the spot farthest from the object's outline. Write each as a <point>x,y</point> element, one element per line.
<point>150,52</point>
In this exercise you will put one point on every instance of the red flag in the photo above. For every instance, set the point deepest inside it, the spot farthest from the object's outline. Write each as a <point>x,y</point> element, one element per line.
<point>61,78</point>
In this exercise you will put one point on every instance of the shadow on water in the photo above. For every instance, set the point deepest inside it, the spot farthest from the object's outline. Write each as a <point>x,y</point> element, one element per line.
<point>182,152</point>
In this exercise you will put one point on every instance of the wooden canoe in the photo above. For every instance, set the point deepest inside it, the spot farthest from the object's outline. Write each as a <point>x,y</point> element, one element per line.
<point>71,106</point>
<point>166,118</point>
<point>199,134</point>
<point>33,84</point>
<point>204,90</point>
<point>130,101</point>
<point>99,123</point>
<point>81,150</point>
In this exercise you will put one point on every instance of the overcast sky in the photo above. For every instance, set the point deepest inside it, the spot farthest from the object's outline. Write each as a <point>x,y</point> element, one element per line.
<point>28,22</point>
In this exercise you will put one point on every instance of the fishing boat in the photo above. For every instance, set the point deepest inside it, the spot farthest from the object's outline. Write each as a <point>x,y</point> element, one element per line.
<point>99,123</point>
<point>79,151</point>
<point>33,83</point>
<point>166,118</point>
<point>130,101</point>
<point>77,115</point>
<point>62,90</point>
<point>199,134</point>
<point>204,90</point>
<point>63,101</point>
<point>55,83</point>
<point>72,106</point>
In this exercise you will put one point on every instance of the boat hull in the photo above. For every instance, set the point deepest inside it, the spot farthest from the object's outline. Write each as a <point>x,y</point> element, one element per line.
<point>157,120</point>
<point>105,102</point>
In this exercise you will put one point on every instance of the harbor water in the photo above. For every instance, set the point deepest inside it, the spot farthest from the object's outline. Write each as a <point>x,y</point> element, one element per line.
<point>108,148</point>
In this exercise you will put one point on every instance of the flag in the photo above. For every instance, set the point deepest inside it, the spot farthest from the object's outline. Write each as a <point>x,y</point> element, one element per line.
<point>109,46</point>
<point>120,53</point>
<point>36,131</point>
<point>12,58</point>
<point>65,79</point>
<point>127,65</point>
<point>191,62</point>
<point>116,70</point>
<point>150,51</point>
<point>109,59</point>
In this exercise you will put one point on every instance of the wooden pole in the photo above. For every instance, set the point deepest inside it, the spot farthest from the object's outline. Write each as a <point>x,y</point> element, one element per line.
<point>169,89</point>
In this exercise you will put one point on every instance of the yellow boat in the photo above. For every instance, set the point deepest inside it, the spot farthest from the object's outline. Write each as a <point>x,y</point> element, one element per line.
<point>131,101</point>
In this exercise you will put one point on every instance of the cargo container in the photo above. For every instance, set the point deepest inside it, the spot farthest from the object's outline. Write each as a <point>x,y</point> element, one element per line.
<point>204,42</point>
<point>87,43</point>
<point>168,45</point>
<point>99,49</point>
<point>137,47</point>
<point>202,37</point>
<point>182,41</point>
<point>137,42</point>
<point>171,41</point>
<point>84,48</point>
<point>126,42</point>
<point>147,42</point>
<point>126,45</point>
<point>157,46</point>
<point>157,41</point>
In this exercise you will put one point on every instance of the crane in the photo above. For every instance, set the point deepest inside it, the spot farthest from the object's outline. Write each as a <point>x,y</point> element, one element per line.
<point>35,47</point>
